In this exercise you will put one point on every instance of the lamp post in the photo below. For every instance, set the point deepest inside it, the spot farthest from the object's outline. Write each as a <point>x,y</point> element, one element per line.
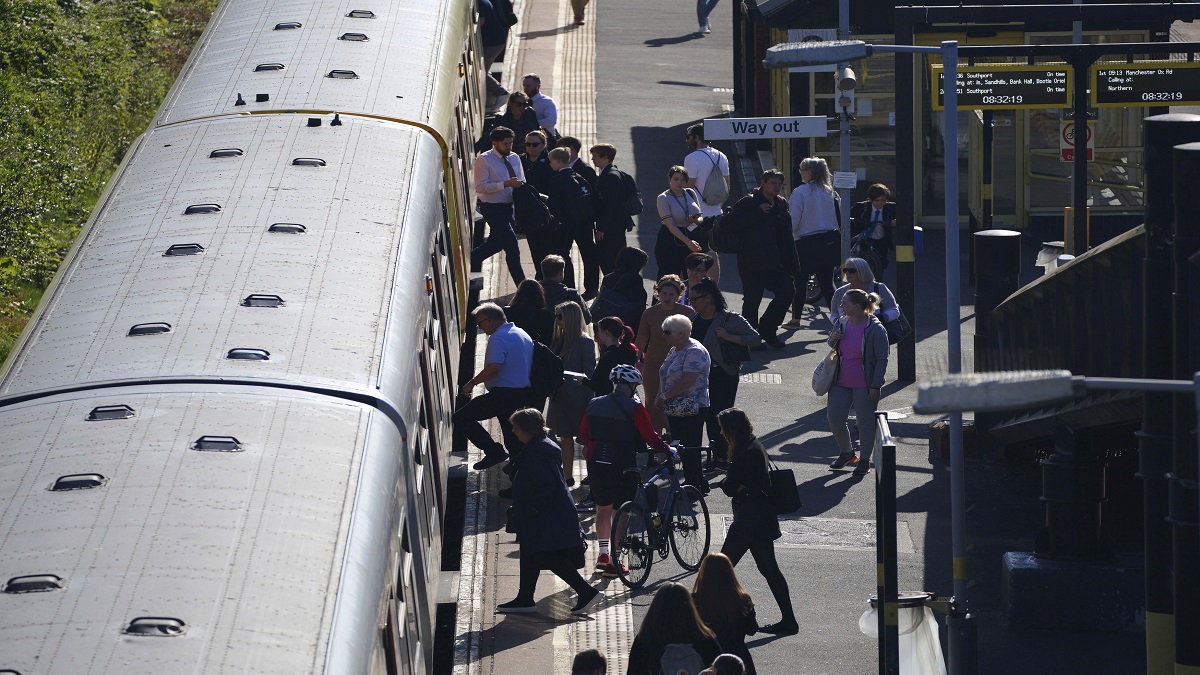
<point>842,52</point>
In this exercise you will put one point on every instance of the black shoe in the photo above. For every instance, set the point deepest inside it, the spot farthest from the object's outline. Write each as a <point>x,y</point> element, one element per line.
<point>716,466</point>
<point>588,295</point>
<point>505,493</point>
<point>586,480</point>
<point>774,341</point>
<point>489,460</point>
<point>586,505</point>
<point>780,628</point>
<point>760,347</point>
<point>862,468</point>
<point>517,607</point>
<point>570,481</point>
<point>843,460</point>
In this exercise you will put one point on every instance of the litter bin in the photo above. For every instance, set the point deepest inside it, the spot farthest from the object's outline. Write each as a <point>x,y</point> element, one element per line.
<point>920,648</point>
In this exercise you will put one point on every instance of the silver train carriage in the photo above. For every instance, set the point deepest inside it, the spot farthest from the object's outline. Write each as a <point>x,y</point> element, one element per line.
<point>224,435</point>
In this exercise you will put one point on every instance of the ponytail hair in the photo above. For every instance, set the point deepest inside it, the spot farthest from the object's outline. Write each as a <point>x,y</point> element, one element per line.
<point>613,325</point>
<point>865,300</point>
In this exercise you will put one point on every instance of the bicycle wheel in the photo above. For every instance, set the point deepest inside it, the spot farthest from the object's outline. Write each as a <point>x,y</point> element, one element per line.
<point>631,545</point>
<point>691,533</point>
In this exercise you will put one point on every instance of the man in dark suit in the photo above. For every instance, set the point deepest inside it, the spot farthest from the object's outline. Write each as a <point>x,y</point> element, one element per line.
<point>872,223</point>
<point>538,173</point>
<point>584,237</point>
<point>612,222</point>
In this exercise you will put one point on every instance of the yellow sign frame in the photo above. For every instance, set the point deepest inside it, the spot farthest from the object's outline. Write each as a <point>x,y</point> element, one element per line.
<point>1094,76</point>
<point>936,68</point>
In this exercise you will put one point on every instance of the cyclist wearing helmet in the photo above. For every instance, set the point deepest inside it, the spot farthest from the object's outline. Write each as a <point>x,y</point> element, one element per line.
<point>615,428</point>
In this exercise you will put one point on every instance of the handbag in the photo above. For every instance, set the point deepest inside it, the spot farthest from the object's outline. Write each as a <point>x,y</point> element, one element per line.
<point>732,352</point>
<point>785,496</point>
<point>682,406</point>
<point>608,303</point>
<point>826,373</point>
<point>898,329</point>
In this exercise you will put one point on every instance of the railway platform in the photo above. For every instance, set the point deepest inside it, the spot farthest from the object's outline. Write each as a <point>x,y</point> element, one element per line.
<point>636,74</point>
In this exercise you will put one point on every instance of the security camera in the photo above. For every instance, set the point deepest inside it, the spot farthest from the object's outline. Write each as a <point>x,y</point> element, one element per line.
<point>845,79</point>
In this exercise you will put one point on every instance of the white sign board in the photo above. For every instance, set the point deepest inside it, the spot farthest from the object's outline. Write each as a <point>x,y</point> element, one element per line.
<point>813,35</point>
<point>742,128</point>
<point>845,179</point>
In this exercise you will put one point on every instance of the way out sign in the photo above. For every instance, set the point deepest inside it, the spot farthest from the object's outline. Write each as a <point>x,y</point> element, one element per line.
<point>732,128</point>
<point>1066,140</point>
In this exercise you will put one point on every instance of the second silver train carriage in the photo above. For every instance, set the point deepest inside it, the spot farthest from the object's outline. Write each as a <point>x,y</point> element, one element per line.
<point>224,436</point>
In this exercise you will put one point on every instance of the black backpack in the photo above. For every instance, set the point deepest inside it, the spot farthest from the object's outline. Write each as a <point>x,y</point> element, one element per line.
<point>532,214</point>
<point>545,372</point>
<point>722,235</point>
<point>580,201</point>
<point>632,204</point>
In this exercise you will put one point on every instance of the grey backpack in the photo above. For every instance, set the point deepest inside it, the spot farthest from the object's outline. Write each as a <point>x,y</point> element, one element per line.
<point>715,192</point>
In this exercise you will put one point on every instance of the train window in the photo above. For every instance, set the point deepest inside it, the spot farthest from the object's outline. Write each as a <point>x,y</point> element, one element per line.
<point>218,444</point>
<point>287,228</point>
<point>266,67</point>
<point>407,547</point>
<point>152,328</point>
<point>183,249</point>
<point>342,75</point>
<point>225,152</point>
<point>34,583</point>
<point>202,208</point>
<point>262,300</point>
<point>287,25</point>
<point>156,626</point>
<point>104,413</point>
<point>354,37</point>
<point>308,161</point>
<point>361,14</point>
<point>391,639</point>
<point>248,354</point>
<point>78,481</point>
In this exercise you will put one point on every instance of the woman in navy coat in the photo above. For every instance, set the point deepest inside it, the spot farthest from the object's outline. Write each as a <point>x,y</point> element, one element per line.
<point>544,519</point>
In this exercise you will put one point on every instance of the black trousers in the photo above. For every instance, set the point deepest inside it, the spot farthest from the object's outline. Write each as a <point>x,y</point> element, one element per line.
<point>546,242</point>
<point>499,218</point>
<point>754,282</point>
<point>763,551</point>
<point>498,402</point>
<point>689,431</point>
<point>819,254</point>
<point>584,238</point>
<point>559,564</point>
<point>722,392</point>
<point>606,250</point>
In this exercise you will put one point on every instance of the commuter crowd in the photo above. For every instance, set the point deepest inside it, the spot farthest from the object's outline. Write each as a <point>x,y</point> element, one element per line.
<point>587,358</point>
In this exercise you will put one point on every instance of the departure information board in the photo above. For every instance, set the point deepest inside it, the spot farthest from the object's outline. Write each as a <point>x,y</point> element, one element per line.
<point>1145,83</point>
<point>1006,87</point>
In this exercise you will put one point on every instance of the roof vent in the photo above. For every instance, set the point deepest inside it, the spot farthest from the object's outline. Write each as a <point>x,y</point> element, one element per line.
<point>184,249</point>
<point>287,25</point>
<point>354,37</point>
<point>220,153</point>
<point>248,354</point>
<point>287,228</point>
<point>110,412</point>
<point>240,100</point>
<point>342,75</point>
<point>308,161</point>
<point>78,481</point>
<point>218,444</point>
<point>361,14</point>
<point>152,328</point>
<point>262,300</point>
<point>264,67</point>
<point>156,626</point>
<point>314,121</point>
<point>337,120</point>
<point>262,98</point>
<point>34,583</point>
<point>202,208</point>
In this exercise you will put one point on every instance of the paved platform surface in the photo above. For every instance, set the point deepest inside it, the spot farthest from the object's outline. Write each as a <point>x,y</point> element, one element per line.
<point>636,75</point>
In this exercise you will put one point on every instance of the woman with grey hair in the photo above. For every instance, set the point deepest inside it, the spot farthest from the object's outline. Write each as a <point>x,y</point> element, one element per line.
<point>683,382</point>
<point>816,214</point>
<point>857,273</point>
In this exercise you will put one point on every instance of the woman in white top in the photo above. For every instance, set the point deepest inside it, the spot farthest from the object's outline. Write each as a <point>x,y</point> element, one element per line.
<point>679,211</point>
<point>815,210</point>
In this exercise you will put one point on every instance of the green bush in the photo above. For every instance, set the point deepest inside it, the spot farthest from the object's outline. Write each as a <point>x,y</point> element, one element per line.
<point>79,80</point>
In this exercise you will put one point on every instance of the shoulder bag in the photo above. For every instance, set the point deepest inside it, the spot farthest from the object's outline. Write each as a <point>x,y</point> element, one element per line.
<point>732,352</point>
<point>898,329</point>
<point>785,496</point>
<point>531,212</point>
<point>826,373</point>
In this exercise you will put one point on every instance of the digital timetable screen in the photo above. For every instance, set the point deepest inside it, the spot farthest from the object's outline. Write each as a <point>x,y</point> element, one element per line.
<point>1005,87</point>
<point>1145,83</point>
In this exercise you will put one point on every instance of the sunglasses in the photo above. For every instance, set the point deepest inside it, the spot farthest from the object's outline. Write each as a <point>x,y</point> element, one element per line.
<point>850,270</point>
<point>698,296</point>
<point>533,145</point>
<point>667,333</point>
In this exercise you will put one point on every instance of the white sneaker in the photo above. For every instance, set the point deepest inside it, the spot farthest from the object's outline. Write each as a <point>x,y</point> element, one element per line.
<point>706,28</point>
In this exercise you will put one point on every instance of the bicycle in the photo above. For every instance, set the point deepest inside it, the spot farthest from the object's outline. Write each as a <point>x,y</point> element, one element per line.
<point>639,530</point>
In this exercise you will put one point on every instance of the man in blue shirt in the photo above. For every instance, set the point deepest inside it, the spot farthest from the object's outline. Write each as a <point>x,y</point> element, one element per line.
<point>507,362</point>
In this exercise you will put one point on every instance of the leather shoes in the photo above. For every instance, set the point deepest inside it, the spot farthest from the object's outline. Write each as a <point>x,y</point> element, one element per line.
<point>780,628</point>
<point>504,493</point>
<point>774,341</point>
<point>489,460</point>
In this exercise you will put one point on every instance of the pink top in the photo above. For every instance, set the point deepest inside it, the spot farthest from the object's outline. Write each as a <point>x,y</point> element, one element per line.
<point>851,373</point>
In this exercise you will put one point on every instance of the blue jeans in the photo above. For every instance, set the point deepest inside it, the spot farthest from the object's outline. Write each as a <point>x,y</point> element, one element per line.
<point>499,218</point>
<point>703,9</point>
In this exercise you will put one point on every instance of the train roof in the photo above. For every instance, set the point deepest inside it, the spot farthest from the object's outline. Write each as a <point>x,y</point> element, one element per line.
<point>229,551</point>
<point>342,238</point>
<point>395,59</point>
